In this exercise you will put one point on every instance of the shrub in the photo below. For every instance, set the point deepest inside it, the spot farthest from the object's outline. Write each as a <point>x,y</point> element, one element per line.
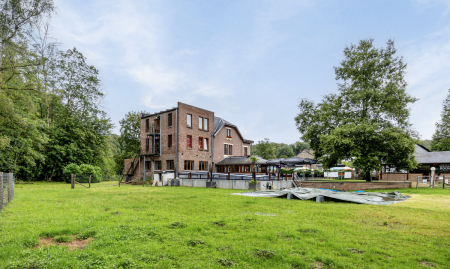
<point>82,172</point>
<point>71,169</point>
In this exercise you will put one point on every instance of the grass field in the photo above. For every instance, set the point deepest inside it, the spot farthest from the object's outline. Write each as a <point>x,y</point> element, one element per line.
<point>176,227</point>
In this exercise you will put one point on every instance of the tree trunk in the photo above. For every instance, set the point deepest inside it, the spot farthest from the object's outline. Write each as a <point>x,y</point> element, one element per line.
<point>367,176</point>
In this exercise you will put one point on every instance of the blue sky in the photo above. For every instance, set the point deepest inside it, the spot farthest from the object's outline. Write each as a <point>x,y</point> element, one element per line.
<point>251,61</point>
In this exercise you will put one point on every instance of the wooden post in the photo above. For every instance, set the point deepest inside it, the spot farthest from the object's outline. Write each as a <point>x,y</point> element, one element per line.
<point>1,190</point>
<point>278,173</point>
<point>90,181</point>
<point>208,175</point>
<point>72,183</point>
<point>407,175</point>
<point>443,182</point>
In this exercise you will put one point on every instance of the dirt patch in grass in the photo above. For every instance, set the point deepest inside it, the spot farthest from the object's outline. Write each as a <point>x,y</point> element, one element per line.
<point>355,250</point>
<point>74,244</point>
<point>318,265</point>
<point>426,264</point>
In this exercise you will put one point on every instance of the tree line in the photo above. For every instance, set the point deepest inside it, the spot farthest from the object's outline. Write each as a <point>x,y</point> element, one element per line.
<point>51,111</point>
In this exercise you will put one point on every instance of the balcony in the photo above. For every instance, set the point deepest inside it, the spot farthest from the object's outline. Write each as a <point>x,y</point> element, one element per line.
<point>153,129</point>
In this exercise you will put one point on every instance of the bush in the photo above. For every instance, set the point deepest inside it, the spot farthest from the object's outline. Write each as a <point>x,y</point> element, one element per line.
<point>82,172</point>
<point>71,169</point>
<point>287,171</point>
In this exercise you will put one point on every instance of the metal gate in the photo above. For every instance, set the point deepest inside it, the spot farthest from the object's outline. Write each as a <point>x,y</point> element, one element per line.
<point>423,182</point>
<point>442,182</point>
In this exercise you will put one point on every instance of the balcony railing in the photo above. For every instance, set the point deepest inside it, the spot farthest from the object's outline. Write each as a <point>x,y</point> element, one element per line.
<point>153,129</point>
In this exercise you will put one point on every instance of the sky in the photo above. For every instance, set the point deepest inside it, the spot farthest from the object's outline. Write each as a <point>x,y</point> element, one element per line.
<point>251,62</point>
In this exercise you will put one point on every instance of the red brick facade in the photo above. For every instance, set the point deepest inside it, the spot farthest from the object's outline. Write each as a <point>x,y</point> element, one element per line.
<point>236,141</point>
<point>179,152</point>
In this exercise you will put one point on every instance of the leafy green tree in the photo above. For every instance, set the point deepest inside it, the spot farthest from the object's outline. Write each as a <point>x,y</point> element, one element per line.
<point>285,150</point>
<point>441,137</point>
<point>368,117</point>
<point>265,149</point>
<point>18,21</point>
<point>130,131</point>
<point>298,146</point>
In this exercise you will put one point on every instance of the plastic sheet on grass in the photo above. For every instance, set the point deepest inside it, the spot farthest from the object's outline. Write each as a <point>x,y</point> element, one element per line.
<point>371,198</point>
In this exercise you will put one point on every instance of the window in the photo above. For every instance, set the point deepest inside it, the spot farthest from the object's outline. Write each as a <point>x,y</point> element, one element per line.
<point>200,143</point>
<point>169,141</point>
<point>203,166</point>
<point>205,143</point>
<point>188,165</point>
<point>148,165</point>
<point>169,121</point>
<point>147,144</point>
<point>157,165</point>
<point>189,120</point>
<point>170,165</point>
<point>205,124</point>
<point>200,122</point>
<point>229,133</point>
<point>189,141</point>
<point>245,151</point>
<point>147,125</point>
<point>227,149</point>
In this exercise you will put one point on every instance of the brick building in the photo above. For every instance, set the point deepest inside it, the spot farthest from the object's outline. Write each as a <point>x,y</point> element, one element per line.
<point>184,138</point>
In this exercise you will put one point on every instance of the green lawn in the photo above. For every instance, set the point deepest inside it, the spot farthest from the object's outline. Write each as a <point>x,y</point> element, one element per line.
<point>176,227</point>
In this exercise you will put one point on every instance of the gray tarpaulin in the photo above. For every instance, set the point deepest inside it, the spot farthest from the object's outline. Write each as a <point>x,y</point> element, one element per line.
<point>372,198</point>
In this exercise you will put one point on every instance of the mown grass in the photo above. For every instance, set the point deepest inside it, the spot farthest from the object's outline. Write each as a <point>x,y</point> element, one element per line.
<point>176,227</point>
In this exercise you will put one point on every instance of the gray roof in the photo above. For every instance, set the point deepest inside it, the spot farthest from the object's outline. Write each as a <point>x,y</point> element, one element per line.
<point>433,157</point>
<point>219,123</point>
<point>240,160</point>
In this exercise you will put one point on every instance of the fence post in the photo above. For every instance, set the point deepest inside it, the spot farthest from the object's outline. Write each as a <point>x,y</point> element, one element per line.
<point>72,182</point>
<point>90,181</point>
<point>417,186</point>
<point>1,190</point>
<point>10,176</point>
<point>443,181</point>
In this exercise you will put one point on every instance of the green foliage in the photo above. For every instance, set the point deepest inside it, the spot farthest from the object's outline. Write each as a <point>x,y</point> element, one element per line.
<point>297,147</point>
<point>130,130</point>
<point>84,170</point>
<point>253,181</point>
<point>265,149</point>
<point>425,143</point>
<point>368,118</point>
<point>441,137</point>
<point>286,151</point>
<point>287,171</point>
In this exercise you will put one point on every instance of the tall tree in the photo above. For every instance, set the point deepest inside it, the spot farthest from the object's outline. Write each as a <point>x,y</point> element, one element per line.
<point>441,137</point>
<point>130,131</point>
<point>18,21</point>
<point>285,151</point>
<point>368,117</point>
<point>265,149</point>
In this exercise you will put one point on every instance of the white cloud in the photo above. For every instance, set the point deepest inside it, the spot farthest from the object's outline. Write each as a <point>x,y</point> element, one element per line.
<point>428,75</point>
